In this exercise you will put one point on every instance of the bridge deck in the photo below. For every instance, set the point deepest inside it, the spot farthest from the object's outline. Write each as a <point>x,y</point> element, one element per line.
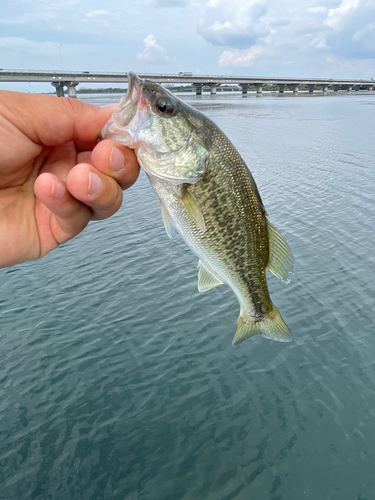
<point>69,79</point>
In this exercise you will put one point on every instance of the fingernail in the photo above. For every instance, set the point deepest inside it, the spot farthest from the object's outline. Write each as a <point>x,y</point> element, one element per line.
<point>58,189</point>
<point>116,159</point>
<point>95,184</point>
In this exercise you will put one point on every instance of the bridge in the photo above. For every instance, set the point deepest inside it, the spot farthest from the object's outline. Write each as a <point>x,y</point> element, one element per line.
<point>70,79</point>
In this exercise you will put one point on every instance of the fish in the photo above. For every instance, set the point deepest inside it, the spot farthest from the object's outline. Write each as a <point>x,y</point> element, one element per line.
<point>208,194</point>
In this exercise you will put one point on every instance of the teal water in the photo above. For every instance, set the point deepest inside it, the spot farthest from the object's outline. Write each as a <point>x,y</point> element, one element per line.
<point>118,379</point>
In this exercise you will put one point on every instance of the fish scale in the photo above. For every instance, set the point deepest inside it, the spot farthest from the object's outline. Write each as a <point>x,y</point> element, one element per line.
<point>245,227</point>
<point>209,195</point>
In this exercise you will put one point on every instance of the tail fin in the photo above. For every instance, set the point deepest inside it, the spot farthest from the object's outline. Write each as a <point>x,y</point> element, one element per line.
<point>270,325</point>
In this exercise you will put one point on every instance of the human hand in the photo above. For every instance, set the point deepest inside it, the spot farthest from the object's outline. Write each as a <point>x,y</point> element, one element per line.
<point>54,176</point>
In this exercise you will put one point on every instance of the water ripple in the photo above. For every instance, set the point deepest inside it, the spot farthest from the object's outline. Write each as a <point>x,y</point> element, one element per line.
<point>118,379</point>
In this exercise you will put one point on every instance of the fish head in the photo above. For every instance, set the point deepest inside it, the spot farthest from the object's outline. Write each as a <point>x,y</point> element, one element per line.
<point>168,135</point>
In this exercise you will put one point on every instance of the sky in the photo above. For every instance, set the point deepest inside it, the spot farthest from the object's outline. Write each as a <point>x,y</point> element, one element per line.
<point>298,38</point>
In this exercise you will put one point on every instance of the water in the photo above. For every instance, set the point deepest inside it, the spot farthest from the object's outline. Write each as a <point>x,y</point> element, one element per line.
<point>118,379</point>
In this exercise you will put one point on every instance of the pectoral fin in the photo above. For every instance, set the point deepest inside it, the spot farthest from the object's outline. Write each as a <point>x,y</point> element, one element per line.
<point>192,209</point>
<point>206,279</point>
<point>167,220</point>
<point>280,260</point>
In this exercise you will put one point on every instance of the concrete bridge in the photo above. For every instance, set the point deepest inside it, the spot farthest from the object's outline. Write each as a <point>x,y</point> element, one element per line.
<point>70,79</point>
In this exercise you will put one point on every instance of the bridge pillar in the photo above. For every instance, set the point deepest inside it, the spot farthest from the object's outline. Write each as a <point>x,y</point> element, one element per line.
<point>356,87</point>
<point>281,88</point>
<point>336,88</point>
<point>349,88</point>
<point>59,86</point>
<point>213,88</point>
<point>244,87</point>
<point>72,89</point>
<point>198,88</point>
<point>295,88</point>
<point>370,87</point>
<point>311,87</point>
<point>259,87</point>
<point>325,88</point>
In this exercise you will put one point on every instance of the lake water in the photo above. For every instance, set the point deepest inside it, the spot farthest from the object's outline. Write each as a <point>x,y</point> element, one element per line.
<point>118,379</point>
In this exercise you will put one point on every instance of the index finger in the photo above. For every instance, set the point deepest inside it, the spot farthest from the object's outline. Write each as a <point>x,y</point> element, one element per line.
<point>116,161</point>
<point>53,121</point>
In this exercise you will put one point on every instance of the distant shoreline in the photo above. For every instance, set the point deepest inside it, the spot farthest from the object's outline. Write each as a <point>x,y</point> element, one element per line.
<point>190,88</point>
<point>175,89</point>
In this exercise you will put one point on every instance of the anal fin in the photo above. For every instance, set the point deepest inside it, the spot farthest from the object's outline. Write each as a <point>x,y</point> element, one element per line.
<point>206,279</point>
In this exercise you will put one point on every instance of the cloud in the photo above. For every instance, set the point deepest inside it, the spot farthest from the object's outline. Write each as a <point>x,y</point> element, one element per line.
<point>319,43</point>
<point>265,33</point>
<point>153,52</point>
<point>235,23</point>
<point>336,16</point>
<point>269,36</point>
<point>368,31</point>
<point>366,37</point>
<point>77,17</point>
<point>348,31</point>
<point>241,58</point>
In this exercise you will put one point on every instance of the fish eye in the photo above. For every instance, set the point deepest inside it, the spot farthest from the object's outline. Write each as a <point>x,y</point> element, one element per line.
<point>164,106</point>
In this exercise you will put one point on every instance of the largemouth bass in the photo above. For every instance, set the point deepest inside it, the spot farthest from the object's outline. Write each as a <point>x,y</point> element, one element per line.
<point>208,194</point>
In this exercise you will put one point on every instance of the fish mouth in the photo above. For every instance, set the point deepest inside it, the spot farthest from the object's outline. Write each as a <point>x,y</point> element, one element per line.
<point>131,115</point>
<point>134,88</point>
<point>134,81</point>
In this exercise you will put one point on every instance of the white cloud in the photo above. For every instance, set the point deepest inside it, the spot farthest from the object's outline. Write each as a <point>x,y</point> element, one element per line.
<point>153,52</point>
<point>366,37</point>
<point>273,37</point>
<point>82,17</point>
<point>235,22</point>
<point>266,33</point>
<point>368,30</point>
<point>240,58</point>
<point>319,43</point>
<point>336,16</point>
